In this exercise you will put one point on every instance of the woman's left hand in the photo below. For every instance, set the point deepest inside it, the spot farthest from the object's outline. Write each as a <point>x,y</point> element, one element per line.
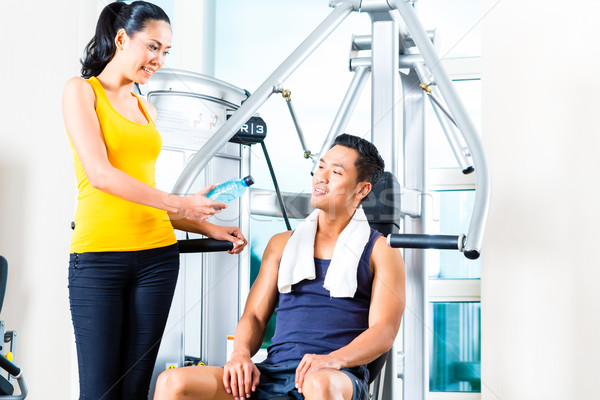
<point>229,233</point>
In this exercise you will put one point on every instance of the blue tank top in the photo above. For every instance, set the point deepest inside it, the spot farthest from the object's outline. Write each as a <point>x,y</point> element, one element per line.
<point>310,321</point>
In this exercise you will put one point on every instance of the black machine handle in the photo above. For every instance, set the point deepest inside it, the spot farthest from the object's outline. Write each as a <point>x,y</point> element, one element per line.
<point>10,367</point>
<point>415,241</point>
<point>204,245</point>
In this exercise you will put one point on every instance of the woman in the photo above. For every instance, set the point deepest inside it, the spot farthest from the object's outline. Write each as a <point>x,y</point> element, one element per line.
<point>124,259</point>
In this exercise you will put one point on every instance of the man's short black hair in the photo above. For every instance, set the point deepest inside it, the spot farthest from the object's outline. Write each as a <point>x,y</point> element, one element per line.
<point>369,164</point>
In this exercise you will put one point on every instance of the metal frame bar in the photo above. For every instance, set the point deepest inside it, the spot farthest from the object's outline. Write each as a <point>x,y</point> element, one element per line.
<point>385,80</point>
<point>459,149</point>
<point>244,258</point>
<point>287,95</point>
<point>415,61</point>
<point>385,117</point>
<point>457,143</point>
<point>464,123</point>
<point>22,389</point>
<point>265,202</point>
<point>415,383</point>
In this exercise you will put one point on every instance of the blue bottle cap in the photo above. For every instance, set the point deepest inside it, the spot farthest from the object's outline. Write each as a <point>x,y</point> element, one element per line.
<point>248,180</point>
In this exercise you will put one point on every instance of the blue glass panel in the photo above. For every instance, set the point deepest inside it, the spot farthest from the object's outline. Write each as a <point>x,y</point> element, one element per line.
<point>455,209</point>
<point>261,231</point>
<point>455,348</point>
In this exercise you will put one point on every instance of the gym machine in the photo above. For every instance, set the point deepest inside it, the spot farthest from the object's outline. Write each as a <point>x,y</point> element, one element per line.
<point>397,41</point>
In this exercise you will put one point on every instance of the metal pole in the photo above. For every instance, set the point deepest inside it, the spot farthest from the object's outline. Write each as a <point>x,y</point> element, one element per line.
<point>254,102</point>
<point>466,126</point>
<point>287,95</point>
<point>384,85</point>
<point>344,113</point>
<point>385,117</point>
<point>244,257</point>
<point>460,151</point>
<point>415,383</point>
<point>459,148</point>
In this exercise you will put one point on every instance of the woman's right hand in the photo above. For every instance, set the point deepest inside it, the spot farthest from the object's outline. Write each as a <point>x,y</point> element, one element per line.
<point>198,207</point>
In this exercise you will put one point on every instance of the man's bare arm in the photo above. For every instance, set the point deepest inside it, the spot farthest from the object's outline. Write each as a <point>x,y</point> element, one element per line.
<point>261,299</point>
<point>240,375</point>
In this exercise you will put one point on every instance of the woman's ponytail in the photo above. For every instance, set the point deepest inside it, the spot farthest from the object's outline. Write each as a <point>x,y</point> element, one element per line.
<point>101,49</point>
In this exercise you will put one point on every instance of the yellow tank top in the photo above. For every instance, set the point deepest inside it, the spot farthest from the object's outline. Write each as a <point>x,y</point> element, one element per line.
<point>107,223</point>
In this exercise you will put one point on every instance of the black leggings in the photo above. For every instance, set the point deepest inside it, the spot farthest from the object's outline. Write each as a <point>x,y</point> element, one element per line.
<point>119,305</point>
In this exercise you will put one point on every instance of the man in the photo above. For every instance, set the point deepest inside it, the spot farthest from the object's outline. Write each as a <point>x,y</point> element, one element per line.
<point>329,324</point>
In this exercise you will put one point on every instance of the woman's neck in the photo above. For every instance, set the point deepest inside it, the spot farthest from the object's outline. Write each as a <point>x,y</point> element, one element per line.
<point>114,81</point>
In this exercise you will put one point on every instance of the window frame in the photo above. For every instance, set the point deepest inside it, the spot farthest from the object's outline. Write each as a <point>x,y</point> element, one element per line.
<point>452,179</point>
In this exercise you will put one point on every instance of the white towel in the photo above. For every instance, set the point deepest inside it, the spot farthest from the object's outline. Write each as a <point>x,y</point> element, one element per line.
<point>297,261</point>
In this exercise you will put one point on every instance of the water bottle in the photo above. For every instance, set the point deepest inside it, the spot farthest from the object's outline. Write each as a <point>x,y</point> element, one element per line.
<point>230,190</point>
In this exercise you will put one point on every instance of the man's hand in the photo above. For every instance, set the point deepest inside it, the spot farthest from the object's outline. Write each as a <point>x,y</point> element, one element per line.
<point>314,362</point>
<point>241,376</point>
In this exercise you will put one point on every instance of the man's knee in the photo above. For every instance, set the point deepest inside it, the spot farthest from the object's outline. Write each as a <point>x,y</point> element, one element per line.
<point>190,383</point>
<point>170,385</point>
<point>325,384</point>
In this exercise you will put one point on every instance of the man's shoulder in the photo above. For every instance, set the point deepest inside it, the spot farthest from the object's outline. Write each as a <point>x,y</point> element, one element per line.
<point>384,254</point>
<point>380,245</point>
<point>278,242</point>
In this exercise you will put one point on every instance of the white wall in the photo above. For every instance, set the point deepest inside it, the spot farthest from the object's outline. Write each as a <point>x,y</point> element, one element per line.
<point>42,47</point>
<point>541,127</point>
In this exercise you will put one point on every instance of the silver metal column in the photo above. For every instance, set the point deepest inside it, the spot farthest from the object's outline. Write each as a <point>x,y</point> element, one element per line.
<point>244,258</point>
<point>385,117</point>
<point>384,81</point>
<point>415,375</point>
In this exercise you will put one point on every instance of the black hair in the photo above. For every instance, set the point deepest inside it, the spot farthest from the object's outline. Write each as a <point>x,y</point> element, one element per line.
<point>369,163</point>
<point>115,16</point>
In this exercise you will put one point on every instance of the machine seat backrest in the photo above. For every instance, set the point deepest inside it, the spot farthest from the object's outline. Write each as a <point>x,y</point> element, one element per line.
<point>382,205</point>
<point>382,208</point>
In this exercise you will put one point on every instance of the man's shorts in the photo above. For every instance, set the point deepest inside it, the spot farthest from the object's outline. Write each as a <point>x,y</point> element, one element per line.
<point>280,381</point>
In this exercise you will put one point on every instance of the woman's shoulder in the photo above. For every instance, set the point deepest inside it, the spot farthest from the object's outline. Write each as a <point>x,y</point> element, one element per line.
<point>78,88</point>
<point>77,81</point>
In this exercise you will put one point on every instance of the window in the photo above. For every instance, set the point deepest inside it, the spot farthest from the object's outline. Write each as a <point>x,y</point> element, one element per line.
<point>454,216</point>
<point>455,347</point>
<point>454,312</point>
